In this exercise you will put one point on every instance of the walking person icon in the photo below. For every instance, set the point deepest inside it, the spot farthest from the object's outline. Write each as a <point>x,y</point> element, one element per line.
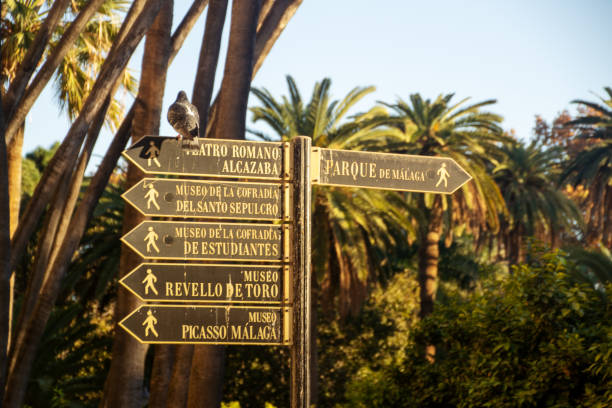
<point>443,173</point>
<point>151,196</point>
<point>150,323</point>
<point>150,239</point>
<point>149,282</point>
<point>152,152</point>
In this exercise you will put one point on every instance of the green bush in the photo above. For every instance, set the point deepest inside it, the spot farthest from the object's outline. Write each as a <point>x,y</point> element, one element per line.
<point>535,338</point>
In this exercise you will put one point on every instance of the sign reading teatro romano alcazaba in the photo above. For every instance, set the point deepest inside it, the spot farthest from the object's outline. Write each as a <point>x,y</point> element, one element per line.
<point>209,157</point>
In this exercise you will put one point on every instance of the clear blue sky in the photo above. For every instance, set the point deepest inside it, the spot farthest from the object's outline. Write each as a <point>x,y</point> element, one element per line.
<point>534,57</point>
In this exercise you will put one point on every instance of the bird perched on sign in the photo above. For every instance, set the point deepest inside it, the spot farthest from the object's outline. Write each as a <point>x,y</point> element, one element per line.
<point>184,118</point>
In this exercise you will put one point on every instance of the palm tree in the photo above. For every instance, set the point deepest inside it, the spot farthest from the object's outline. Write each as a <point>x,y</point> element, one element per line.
<point>536,207</point>
<point>592,168</point>
<point>471,137</point>
<point>350,226</point>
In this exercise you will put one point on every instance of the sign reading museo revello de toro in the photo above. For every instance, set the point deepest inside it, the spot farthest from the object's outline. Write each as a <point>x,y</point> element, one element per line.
<point>164,282</point>
<point>208,157</point>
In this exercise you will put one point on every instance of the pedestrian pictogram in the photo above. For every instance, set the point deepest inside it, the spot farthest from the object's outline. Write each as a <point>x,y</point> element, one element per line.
<point>151,196</point>
<point>443,173</point>
<point>150,323</point>
<point>152,153</point>
<point>149,282</point>
<point>150,239</point>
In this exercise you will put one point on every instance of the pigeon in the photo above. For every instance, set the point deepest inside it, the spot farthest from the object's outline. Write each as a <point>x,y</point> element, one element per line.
<point>184,118</point>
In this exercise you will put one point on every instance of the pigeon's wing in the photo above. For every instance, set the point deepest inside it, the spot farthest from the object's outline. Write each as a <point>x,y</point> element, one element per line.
<point>194,121</point>
<point>176,114</point>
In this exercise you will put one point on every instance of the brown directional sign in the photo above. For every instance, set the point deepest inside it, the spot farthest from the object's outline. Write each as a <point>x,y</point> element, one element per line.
<point>208,157</point>
<point>208,241</point>
<point>402,172</point>
<point>158,197</point>
<point>160,324</point>
<point>209,283</point>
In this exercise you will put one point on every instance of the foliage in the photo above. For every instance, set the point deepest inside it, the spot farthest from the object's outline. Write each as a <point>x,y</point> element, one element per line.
<point>466,133</point>
<point>535,338</point>
<point>592,168</point>
<point>353,229</point>
<point>527,177</point>
<point>78,70</point>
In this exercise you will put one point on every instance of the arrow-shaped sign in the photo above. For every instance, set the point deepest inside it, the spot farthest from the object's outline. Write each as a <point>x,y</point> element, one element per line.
<point>208,241</point>
<point>427,174</point>
<point>160,324</point>
<point>209,283</point>
<point>208,157</point>
<point>157,197</point>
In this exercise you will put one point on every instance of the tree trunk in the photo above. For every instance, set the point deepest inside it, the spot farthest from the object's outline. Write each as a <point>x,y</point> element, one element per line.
<point>273,18</point>
<point>179,383</point>
<point>161,373</point>
<point>28,340</point>
<point>124,384</point>
<point>206,379</point>
<point>68,151</point>
<point>209,57</point>
<point>5,252</point>
<point>429,254</point>
<point>14,161</point>
<point>235,88</point>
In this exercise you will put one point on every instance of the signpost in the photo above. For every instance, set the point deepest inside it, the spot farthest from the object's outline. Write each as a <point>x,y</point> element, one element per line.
<point>426,174</point>
<point>208,241</point>
<point>162,324</point>
<point>207,283</point>
<point>209,157</point>
<point>217,199</point>
<point>274,294</point>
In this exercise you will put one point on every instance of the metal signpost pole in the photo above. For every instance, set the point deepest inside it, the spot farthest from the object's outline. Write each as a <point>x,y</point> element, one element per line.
<point>301,345</point>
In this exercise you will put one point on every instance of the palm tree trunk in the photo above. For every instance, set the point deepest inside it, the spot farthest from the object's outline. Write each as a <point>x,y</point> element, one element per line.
<point>233,99</point>
<point>271,27</point>
<point>236,85</point>
<point>178,390</point>
<point>14,161</point>
<point>5,255</point>
<point>68,150</point>
<point>429,254</point>
<point>124,384</point>
<point>209,57</point>
<point>207,371</point>
<point>161,372</point>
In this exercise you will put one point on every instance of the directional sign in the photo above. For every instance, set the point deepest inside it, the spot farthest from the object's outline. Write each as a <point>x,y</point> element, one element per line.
<point>159,324</point>
<point>208,240</point>
<point>209,283</point>
<point>387,171</point>
<point>208,157</point>
<point>158,197</point>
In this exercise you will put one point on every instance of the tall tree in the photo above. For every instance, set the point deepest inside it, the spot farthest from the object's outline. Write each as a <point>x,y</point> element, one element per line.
<point>28,338</point>
<point>592,168</point>
<point>353,229</point>
<point>527,177</point>
<point>470,136</point>
<point>124,385</point>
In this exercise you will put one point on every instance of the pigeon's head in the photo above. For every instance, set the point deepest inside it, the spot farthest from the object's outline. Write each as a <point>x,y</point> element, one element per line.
<point>182,97</point>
